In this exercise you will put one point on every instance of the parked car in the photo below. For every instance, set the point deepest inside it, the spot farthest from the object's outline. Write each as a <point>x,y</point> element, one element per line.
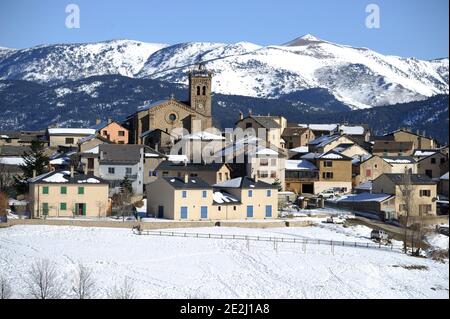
<point>335,220</point>
<point>379,235</point>
<point>328,193</point>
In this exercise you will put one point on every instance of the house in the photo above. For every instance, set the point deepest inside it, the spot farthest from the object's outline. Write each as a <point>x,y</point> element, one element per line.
<point>89,142</point>
<point>210,173</point>
<point>420,141</point>
<point>169,114</point>
<point>400,164</point>
<point>67,136</point>
<point>357,132</point>
<point>135,162</point>
<point>9,138</point>
<point>299,175</point>
<point>272,126</point>
<point>254,157</point>
<point>112,131</point>
<point>423,193</point>
<point>338,143</point>
<point>200,146</point>
<point>295,136</point>
<point>367,168</point>
<point>390,147</point>
<point>381,204</point>
<point>443,185</point>
<point>434,165</point>
<point>332,170</point>
<point>68,194</point>
<point>185,198</point>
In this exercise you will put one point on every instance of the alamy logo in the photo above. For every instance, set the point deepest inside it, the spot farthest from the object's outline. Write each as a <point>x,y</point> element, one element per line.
<point>73,19</point>
<point>373,19</point>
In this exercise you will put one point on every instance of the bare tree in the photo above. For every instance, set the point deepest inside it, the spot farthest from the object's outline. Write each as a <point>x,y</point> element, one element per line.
<point>42,281</point>
<point>125,291</point>
<point>407,192</point>
<point>5,288</point>
<point>83,284</point>
<point>3,205</point>
<point>121,202</point>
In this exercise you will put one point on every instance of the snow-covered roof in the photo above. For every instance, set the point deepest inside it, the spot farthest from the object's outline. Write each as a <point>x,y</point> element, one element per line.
<point>75,131</point>
<point>300,165</point>
<point>346,129</point>
<point>12,161</point>
<point>231,183</point>
<point>421,153</point>
<point>224,198</point>
<point>177,158</point>
<point>203,136</point>
<point>365,197</point>
<point>59,177</point>
<point>444,177</point>
<point>360,158</point>
<point>301,149</point>
<point>60,161</point>
<point>365,186</point>
<point>399,160</point>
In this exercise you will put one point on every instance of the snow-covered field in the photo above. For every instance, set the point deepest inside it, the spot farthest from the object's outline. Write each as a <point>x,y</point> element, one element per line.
<point>174,267</point>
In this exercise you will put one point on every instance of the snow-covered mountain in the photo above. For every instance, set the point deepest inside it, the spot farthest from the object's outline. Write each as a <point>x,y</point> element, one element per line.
<point>65,62</point>
<point>358,77</point>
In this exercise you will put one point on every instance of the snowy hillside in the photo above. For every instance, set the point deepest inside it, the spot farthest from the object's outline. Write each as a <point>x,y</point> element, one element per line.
<point>358,77</point>
<point>59,63</point>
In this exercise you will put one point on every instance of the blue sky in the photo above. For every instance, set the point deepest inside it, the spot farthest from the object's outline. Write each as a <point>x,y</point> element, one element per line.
<point>417,28</point>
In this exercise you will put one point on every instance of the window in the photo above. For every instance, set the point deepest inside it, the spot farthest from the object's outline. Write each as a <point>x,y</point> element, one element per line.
<point>105,133</point>
<point>121,133</point>
<point>425,193</point>
<point>368,172</point>
<point>433,161</point>
<point>248,125</point>
<point>263,174</point>
<point>45,190</point>
<point>376,166</point>
<point>120,142</point>
<point>263,162</point>
<point>220,177</point>
<point>273,161</point>
<point>62,206</point>
<point>273,174</point>
<point>45,208</point>
<point>424,209</point>
<point>250,193</point>
<point>69,140</point>
<point>111,170</point>
<point>193,175</point>
<point>80,190</point>
<point>269,193</point>
<point>227,176</point>
<point>198,90</point>
<point>172,117</point>
<point>327,175</point>
<point>165,174</point>
<point>204,194</point>
<point>219,208</point>
<point>204,90</point>
<point>63,190</point>
<point>442,160</point>
<point>128,170</point>
<point>234,208</point>
<point>328,164</point>
<point>184,194</point>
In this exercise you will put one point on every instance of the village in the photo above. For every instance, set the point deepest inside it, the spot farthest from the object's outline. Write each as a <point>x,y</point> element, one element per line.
<point>167,172</point>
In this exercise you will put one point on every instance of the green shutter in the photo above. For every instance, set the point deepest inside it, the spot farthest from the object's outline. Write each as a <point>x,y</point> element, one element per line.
<point>45,190</point>
<point>62,206</point>
<point>45,208</point>
<point>63,190</point>
<point>84,209</point>
<point>80,190</point>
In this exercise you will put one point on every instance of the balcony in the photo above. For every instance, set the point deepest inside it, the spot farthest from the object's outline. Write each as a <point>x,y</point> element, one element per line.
<point>301,177</point>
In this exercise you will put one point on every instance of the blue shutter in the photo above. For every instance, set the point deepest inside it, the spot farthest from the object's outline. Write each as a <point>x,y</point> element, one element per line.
<point>269,193</point>
<point>184,212</point>
<point>250,193</point>
<point>268,210</point>
<point>204,212</point>
<point>249,211</point>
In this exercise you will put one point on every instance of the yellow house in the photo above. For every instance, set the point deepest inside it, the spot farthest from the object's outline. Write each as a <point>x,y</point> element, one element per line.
<point>192,199</point>
<point>423,193</point>
<point>67,194</point>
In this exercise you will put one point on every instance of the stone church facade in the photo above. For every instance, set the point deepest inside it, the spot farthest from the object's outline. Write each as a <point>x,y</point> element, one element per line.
<point>160,118</point>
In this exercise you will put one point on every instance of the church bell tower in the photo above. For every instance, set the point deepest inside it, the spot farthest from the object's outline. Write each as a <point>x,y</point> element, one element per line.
<point>200,90</point>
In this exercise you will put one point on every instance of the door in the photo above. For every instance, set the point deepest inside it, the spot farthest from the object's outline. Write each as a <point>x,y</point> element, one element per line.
<point>249,211</point>
<point>204,212</point>
<point>80,209</point>
<point>45,209</point>
<point>268,210</point>
<point>160,211</point>
<point>184,212</point>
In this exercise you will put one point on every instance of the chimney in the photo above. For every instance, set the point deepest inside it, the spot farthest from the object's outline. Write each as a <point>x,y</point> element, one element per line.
<point>98,121</point>
<point>423,133</point>
<point>241,115</point>
<point>109,120</point>
<point>71,171</point>
<point>249,112</point>
<point>34,173</point>
<point>186,177</point>
<point>156,147</point>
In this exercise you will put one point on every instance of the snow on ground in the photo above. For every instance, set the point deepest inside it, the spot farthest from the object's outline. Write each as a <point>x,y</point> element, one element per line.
<point>176,267</point>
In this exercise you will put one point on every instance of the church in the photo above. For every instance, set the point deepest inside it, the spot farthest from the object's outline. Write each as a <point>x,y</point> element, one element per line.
<point>152,124</point>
